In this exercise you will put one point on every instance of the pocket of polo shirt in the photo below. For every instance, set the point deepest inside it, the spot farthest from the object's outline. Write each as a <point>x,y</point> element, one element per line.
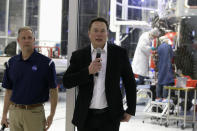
<point>38,76</point>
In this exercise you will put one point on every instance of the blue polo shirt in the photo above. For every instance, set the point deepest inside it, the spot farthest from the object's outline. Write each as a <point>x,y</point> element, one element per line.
<point>31,79</point>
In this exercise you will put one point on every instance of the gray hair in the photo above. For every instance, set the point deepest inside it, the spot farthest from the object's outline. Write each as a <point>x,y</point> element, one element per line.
<point>25,28</point>
<point>155,32</point>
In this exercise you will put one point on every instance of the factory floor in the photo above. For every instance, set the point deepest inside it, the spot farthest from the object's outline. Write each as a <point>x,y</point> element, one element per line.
<point>135,124</point>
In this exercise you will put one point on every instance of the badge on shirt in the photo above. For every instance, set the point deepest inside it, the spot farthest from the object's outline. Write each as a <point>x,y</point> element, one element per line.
<point>34,68</point>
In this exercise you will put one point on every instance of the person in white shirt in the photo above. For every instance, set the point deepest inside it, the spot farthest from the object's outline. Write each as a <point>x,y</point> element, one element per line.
<point>140,63</point>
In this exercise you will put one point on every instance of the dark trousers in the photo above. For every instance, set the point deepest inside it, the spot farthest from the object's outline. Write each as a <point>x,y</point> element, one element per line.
<point>141,80</point>
<point>100,122</point>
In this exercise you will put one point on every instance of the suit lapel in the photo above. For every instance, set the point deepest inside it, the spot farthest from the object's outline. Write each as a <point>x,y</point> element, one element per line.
<point>88,59</point>
<point>87,55</point>
<point>109,64</point>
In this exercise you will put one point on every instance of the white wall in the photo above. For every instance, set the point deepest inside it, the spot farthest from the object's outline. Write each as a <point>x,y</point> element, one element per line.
<point>50,22</point>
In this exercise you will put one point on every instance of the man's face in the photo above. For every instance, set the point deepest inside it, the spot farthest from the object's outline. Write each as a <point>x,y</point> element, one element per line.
<point>98,34</point>
<point>26,40</point>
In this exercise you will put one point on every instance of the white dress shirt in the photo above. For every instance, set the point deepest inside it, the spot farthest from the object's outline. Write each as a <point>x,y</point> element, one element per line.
<point>99,97</point>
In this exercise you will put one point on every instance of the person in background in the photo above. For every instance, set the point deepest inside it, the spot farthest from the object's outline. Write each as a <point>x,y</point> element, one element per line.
<point>140,63</point>
<point>165,69</point>
<point>29,79</point>
<point>99,105</point>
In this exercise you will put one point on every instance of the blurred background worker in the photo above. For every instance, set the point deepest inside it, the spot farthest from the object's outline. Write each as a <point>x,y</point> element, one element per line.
<point>165,70</point>
<point>140,63</point>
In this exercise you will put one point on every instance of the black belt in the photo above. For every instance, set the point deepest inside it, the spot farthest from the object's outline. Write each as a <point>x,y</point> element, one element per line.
<point>98,111</point>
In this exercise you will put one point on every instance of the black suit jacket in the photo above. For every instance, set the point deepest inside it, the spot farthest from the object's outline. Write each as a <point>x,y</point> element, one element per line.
<point>118,65</point>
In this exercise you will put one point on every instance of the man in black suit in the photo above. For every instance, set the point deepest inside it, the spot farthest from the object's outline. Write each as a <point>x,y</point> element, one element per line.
<point>99,105</point>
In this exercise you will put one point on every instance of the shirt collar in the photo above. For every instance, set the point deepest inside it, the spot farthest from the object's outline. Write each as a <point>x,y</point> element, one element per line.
<point>103,50</point>
<point>19,58</point>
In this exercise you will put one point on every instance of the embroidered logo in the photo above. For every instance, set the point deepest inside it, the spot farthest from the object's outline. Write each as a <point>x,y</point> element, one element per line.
<point>34,68</point>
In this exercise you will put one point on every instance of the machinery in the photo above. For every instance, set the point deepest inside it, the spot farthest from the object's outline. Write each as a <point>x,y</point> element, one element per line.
<point>181,18</point>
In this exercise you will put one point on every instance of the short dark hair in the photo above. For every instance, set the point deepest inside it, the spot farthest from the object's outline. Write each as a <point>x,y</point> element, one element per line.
<point>100,19</point>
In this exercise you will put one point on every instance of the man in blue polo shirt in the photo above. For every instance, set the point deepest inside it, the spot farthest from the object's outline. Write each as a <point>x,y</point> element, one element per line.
<point>29,80</point>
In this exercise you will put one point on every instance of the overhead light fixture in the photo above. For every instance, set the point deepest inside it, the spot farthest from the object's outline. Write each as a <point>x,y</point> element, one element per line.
<point>152,11</point>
